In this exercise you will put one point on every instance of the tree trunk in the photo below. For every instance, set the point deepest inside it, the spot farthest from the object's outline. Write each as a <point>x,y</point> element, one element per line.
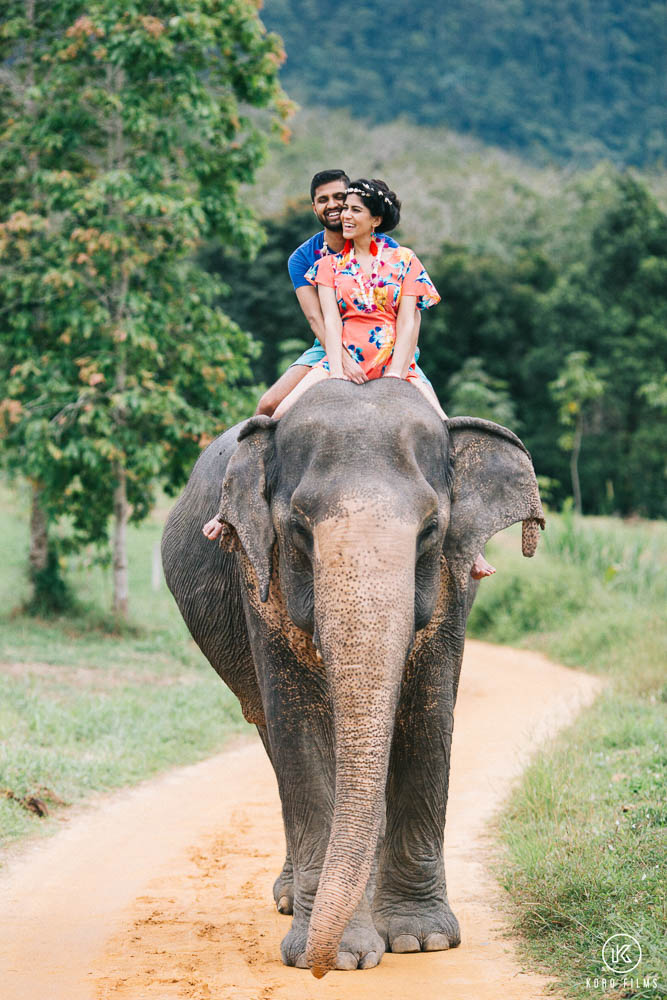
<point>39,542</point>
<point>121,513</point>
<point>574,464</point>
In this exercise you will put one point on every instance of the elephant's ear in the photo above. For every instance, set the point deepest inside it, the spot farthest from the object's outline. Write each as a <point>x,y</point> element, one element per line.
<point>243,501</point>
<point>493,486</point>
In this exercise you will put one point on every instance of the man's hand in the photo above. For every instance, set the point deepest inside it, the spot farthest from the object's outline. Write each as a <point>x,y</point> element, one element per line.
<point>352,370</point>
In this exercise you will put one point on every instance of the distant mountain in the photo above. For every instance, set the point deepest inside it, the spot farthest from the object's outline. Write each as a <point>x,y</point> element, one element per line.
<point>570,80</point>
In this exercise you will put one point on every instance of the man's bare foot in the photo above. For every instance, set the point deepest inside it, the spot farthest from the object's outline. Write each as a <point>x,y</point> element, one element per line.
<point>213,529</point>
<point>481,568</point>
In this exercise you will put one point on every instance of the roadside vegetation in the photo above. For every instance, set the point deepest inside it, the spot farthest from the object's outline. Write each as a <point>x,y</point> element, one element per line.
<point>87,706</point>
<point>584,831</point>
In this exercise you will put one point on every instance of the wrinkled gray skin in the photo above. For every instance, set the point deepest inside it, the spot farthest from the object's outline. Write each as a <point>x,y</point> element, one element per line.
<point>337,616</point>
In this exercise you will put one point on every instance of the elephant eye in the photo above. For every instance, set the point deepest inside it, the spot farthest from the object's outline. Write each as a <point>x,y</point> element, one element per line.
<point>300,534</point>
<point>428,533</point>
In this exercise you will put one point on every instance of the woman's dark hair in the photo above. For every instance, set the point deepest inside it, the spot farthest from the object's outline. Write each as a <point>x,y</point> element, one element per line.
<point>326,177</point>
<point>379,200</point>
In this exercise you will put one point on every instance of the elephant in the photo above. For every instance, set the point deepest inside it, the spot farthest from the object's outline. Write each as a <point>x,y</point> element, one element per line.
<point>335,609</point>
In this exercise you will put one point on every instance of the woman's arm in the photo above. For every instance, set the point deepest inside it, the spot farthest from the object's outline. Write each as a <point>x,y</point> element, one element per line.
<point>333,330</point>
<point>404,347</point>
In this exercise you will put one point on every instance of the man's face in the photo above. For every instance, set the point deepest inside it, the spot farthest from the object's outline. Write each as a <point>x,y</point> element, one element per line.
<point>327,204</point>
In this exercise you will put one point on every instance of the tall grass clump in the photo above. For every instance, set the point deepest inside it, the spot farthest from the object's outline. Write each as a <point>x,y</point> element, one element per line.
<point>584,832</point>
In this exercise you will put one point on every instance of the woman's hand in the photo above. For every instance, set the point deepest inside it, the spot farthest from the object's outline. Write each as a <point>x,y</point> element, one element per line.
<point>352,370</point>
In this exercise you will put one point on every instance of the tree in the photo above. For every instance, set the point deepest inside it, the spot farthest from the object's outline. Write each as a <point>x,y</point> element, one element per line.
<point>118,365</point>
<point>575,390</point>
<point>611,302</point>
<point>473,392</point>
<point>267,305</point>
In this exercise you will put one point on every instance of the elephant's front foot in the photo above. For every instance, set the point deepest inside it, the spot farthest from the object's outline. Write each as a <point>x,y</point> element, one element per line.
<point>361,946</point>
<point>283,888</point>
<point>410,924</point>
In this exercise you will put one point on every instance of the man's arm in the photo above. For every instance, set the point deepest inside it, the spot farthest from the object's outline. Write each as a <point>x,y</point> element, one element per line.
<point>309,301</point>
<point>310,307</point>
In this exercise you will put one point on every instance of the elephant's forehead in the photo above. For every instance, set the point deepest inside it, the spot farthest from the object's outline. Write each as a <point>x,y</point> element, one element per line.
<point>361,446</point>
<point>369,413</point>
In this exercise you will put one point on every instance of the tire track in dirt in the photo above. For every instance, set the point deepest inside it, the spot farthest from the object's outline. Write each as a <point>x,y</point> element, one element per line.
<point>164,891</point>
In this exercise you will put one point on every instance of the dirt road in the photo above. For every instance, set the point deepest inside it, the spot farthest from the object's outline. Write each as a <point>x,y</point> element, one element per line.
<point>164,891</point>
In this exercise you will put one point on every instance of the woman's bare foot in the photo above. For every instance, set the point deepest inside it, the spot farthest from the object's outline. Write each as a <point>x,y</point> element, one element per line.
<point>481,568</point>
<point>212,529</point>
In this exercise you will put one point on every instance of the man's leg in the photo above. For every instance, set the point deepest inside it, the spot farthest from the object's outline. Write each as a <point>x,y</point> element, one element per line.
<point>314,376</point>
<point>277,392</point>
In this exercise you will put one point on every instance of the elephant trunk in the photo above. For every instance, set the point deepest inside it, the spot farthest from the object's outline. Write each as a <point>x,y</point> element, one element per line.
<point>364,600</point>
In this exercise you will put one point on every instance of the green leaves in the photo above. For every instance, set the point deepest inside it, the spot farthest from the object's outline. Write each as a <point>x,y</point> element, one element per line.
<point>124,146</point>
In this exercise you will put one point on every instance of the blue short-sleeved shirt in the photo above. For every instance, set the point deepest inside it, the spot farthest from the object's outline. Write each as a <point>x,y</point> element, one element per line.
<point>305,256</point>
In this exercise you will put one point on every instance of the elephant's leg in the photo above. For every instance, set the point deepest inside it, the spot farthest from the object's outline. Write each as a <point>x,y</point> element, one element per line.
<point>283,887</point>
<point>410,908</point>
<point>301,740</point>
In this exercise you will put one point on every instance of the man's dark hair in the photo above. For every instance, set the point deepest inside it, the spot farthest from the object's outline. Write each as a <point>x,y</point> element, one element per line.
<point>326,177</point>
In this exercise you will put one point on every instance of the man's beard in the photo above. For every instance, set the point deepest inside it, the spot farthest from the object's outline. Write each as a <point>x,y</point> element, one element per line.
<point>333,227</point>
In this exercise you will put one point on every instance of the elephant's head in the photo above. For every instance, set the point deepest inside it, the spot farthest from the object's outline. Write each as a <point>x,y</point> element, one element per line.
<point>356,496</point>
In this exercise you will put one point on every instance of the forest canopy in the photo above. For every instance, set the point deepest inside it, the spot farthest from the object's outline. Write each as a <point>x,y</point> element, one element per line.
<point>572,80</point>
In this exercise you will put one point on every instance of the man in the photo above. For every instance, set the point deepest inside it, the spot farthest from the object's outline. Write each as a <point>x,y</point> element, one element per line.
<point>327,194</point>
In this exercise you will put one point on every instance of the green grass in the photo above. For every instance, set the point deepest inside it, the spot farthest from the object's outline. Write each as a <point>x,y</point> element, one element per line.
<point>584,832</point>
<point>84,708</point>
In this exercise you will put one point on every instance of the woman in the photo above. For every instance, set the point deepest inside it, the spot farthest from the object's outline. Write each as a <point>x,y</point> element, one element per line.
<point>369,294</point>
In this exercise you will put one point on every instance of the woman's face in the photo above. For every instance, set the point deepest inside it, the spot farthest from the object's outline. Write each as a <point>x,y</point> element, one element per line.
<point>357,219</point>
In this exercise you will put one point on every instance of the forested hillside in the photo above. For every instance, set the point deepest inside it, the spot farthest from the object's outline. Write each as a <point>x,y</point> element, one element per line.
<point>557,332</point>
<point>575,80</point>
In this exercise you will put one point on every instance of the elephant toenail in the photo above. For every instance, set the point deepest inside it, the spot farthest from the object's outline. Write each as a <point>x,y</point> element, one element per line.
<point>346,961</point>
<point>405,943</point>
<point>436,942</point>
<point>369,961</point>
<point>284,905</point>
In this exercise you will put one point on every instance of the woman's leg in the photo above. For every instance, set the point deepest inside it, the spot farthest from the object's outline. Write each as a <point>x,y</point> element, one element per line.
<point>314,376</point>
<point>428,392</point>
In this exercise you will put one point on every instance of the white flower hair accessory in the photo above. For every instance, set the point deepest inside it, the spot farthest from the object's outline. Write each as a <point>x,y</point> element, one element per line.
<point>368,192</point>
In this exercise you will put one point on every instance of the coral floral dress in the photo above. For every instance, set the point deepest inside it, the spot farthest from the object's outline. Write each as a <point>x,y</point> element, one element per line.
<point>369,304</point>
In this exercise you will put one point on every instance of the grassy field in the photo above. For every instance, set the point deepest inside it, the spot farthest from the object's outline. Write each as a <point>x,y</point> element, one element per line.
<point>84,710</point>
<point>584,832</point>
